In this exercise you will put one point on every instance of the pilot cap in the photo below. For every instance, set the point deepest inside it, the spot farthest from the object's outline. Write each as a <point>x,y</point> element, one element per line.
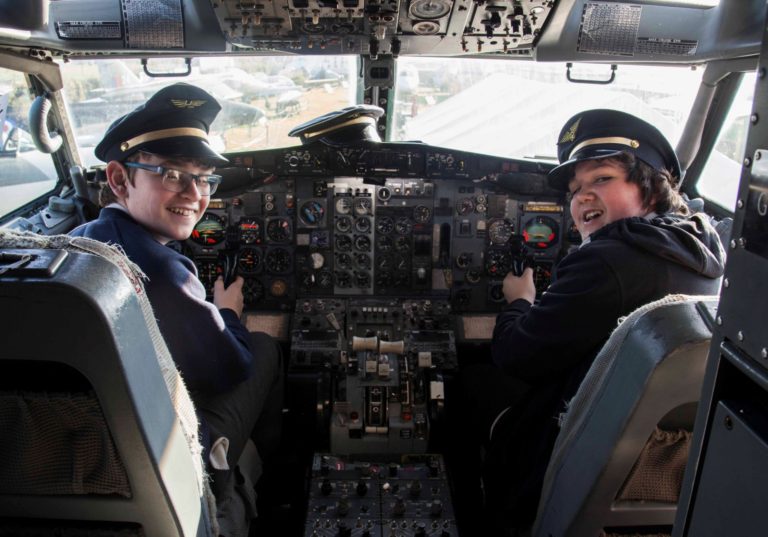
<point>597,134</point>
<point>351,124</point>
<point>174,122</point>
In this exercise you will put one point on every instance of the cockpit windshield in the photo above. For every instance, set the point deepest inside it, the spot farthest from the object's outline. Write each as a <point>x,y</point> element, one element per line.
<point>262,98</point>
<point>516,108</point>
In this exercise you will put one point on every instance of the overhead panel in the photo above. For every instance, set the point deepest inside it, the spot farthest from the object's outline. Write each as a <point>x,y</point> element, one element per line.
<point>393,27</point>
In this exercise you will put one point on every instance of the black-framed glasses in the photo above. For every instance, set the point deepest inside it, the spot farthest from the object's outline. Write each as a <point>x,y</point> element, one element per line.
<point>179,181</point>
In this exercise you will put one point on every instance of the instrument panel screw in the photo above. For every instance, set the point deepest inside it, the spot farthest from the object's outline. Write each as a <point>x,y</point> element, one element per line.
<point>728,422</point>
<point>764,353</point>
<point>761,72</point>
<point>740,204</point>
<point>754,118</point>
<point>740,335</point>
<point>732,243</point>
<point>719,321</point>
<point>747,162</point>
<point>742,242</point>
<point>726,283</point>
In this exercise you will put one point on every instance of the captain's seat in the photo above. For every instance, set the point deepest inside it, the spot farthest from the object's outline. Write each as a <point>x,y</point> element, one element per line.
<point>618,462</point>
<point>99,435</point>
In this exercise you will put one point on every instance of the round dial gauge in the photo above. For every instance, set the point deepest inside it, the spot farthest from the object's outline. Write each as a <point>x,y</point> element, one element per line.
<point>279,230</point>
<point>384,244</point>
<point>324,279</point>
<point>465,206</point>
<point>422,214</point>
<point>385,263</point>
<point>343,261</point>
<point>497,263</point>
<point>343,205</point>
<point>429,9</point>
<point>209,230</point>
<point>343,243</point>
<point>500,231</point>
<point>343,224</point>
<point>403,226</point>
<point>384,279</point>
<point>385,225</point>
<point>362,279</point>
<point>362,261</point>
<point>250,231</point>
<point>363,224</point>
<point>363,206</point>
<point>401,263</point>
<point>540,232</point>
<point>362,243</point>
<point>278,288</point>
<point>249,261</point>
<point>312,212</point>
<point>343,279</point>
<point>403,244</point>
<point>253,291</point>
<point>278,260</point>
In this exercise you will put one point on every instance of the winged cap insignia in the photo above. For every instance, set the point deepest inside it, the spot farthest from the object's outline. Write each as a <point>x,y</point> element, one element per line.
<point>187,103</point>
<point>570,134</point>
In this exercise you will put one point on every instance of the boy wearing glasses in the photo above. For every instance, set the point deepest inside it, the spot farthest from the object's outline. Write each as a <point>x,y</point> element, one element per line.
<point>159,183</point>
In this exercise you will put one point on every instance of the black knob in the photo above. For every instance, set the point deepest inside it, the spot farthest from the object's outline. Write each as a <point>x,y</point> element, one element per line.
<point>344,531</point>
<point>415,488</point>
<point>398,509</point>
<point>436,508</point>
<point>393,468</point>
<point>421,531</point>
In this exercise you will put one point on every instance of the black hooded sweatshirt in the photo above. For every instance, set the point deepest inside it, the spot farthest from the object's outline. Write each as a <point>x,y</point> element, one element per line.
<point>551,345</point>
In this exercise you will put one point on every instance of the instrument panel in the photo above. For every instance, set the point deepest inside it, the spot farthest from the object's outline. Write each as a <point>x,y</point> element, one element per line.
<point>379,220</point>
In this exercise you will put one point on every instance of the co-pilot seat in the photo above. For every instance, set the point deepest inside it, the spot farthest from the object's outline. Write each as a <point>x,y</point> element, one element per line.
<point>97,431</point>
<point>618,462</point>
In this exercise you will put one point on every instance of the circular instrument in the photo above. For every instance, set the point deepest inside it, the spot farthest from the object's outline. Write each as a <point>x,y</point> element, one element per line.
<point>500,231</point>
<point>210,230</point>
<point>540,232</point>
<point>385,225</point>
<point>249,230</point>
<point>279,230</point>
<point>422,214</point>
<point>249,261</point>
<point>497,263</point>
<point>363,206</point>
<point>343,205</point>
<point>312,212</point>
<point>278,260</point>
<point>403,226</point>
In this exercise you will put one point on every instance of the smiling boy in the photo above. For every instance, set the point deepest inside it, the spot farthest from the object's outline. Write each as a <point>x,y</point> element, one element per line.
<point>638,245</point>
<point>159,183</point>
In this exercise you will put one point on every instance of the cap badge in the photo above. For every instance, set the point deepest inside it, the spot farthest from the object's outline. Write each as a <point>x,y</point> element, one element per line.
<point>570,134</point>
<point>187,103</point>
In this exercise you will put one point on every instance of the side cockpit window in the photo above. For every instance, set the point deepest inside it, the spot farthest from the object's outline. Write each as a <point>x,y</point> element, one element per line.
<point>25,173</point>
<point>719,180</point>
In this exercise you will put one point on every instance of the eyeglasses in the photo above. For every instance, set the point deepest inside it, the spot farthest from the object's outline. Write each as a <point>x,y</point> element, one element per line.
<point>179,181</point>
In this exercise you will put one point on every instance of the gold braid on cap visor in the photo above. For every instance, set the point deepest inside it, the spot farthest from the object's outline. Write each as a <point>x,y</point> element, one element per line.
<point>634,144</point>
<point>161,135</point>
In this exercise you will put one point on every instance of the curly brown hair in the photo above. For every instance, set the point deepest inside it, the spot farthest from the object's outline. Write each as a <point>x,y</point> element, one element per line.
<point>658,187</point>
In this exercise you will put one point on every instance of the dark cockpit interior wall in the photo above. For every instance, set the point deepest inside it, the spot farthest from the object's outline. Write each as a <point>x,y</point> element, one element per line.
<point>377,265</point>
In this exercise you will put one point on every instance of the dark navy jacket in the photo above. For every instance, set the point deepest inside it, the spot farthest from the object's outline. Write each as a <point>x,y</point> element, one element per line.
<point>210,346</point>
<point>551,345</point>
